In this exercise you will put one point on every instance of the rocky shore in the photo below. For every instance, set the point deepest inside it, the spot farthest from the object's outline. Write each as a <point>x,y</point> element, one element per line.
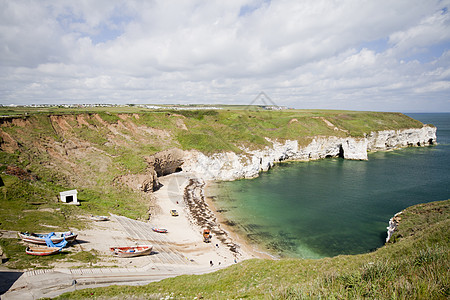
<point>202,216</point>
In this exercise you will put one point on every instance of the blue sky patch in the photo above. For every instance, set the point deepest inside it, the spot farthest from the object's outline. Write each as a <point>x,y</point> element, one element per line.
<point>377,46</point>
<point>430,53</point>
<point>248,9</point>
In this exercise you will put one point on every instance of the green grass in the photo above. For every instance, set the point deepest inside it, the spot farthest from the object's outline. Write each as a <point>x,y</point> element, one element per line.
<point>196,114</point>
<point>364,122</point>
<point>17,258</point>
<point>416,266</point>
<point>32,206</point>
<point>89,257</point>
<point>416,218</point>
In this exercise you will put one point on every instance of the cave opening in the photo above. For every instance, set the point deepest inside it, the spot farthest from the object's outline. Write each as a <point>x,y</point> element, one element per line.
<point>341,151</point>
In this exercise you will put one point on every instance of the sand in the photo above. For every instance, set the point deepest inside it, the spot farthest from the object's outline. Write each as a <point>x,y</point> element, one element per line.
<point>187,228</point>
<point>184,237</point>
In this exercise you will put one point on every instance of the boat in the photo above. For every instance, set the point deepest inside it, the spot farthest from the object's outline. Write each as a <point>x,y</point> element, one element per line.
<point>55,237</point>
<point>99,218</point>
<point>160,230</point>
<point>42,250</point>
<point>207,235</point>
<point>131,251</point>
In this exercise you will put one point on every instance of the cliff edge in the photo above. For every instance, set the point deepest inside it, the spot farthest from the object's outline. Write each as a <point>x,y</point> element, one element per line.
<point>231,166</point>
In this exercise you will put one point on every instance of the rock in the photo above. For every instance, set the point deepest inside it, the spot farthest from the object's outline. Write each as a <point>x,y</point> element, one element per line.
<point>142,182</point>
<point>393,223</point>
<point>393,139</point>
<point>231,166</point>
<point>356,149</point>
<point>166,162</point>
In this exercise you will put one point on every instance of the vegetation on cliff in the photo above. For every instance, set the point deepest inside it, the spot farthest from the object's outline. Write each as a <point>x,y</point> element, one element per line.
<point>98,151</point>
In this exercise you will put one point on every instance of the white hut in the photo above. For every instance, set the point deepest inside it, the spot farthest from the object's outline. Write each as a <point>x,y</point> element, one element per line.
<point>69,197</point>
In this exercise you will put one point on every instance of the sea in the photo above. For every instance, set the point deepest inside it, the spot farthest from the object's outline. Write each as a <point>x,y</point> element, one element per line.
<point>334,206</point>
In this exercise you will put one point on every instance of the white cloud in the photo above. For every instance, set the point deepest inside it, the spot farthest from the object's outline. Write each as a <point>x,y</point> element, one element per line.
<point>312,54</point>
<point>428,32</point>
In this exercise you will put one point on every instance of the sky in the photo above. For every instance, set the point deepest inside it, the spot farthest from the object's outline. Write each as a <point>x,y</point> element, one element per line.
<point>378,55</point>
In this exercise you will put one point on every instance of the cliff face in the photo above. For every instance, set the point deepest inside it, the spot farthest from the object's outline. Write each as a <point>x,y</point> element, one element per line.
<point>391,139</point>
<point>88,149</point>
<point>232,166</point>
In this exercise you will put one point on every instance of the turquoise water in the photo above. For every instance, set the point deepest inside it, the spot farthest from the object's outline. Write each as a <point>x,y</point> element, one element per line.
<point>335,206</point>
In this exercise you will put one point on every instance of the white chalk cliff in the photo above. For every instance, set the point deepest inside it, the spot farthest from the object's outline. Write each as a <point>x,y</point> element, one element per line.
<point>232,166</point>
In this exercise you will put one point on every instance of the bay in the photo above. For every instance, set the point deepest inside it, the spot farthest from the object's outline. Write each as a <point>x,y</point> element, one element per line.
<point>334,206</point>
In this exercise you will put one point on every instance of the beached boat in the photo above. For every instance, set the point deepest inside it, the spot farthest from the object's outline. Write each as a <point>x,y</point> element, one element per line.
<point>55,237</point>
<point>42,250</point>
<point>160,230</point>
<point>99,218</point>
<point>131,251</point>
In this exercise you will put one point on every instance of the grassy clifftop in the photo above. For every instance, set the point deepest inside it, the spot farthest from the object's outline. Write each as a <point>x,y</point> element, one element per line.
<point>415,266</point>
<point>216,130</point>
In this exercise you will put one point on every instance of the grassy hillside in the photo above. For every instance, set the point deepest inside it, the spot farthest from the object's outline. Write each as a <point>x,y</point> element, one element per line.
<point>415,266</point>
<point>92,150</point>
<point>103,152</point>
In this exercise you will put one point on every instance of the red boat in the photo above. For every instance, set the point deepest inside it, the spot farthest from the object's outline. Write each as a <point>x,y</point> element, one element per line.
<point>42,250</point>
<point>131,251</point>
<point>160,230</point>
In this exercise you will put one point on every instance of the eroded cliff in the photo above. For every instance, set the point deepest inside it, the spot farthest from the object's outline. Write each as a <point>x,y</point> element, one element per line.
<point>231,166</point>
<point>95,150</point>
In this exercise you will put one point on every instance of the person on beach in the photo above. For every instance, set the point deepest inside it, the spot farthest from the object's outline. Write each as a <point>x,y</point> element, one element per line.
<point>211,263</point>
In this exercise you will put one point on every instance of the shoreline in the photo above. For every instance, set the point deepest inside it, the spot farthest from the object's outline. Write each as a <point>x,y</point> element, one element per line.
<point>203,214</point>
<point>185,192</point>
<point>244,244</point>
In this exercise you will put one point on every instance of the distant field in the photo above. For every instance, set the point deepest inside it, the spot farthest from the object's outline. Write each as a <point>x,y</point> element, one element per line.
<point>21,110</point>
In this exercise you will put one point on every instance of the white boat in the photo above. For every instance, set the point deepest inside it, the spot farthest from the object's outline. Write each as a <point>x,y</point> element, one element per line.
<point>131,251</point>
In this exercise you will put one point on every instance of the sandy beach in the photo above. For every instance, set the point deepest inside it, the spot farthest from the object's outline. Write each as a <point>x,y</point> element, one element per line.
<point>184,234</point>
<point>185,230</point>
